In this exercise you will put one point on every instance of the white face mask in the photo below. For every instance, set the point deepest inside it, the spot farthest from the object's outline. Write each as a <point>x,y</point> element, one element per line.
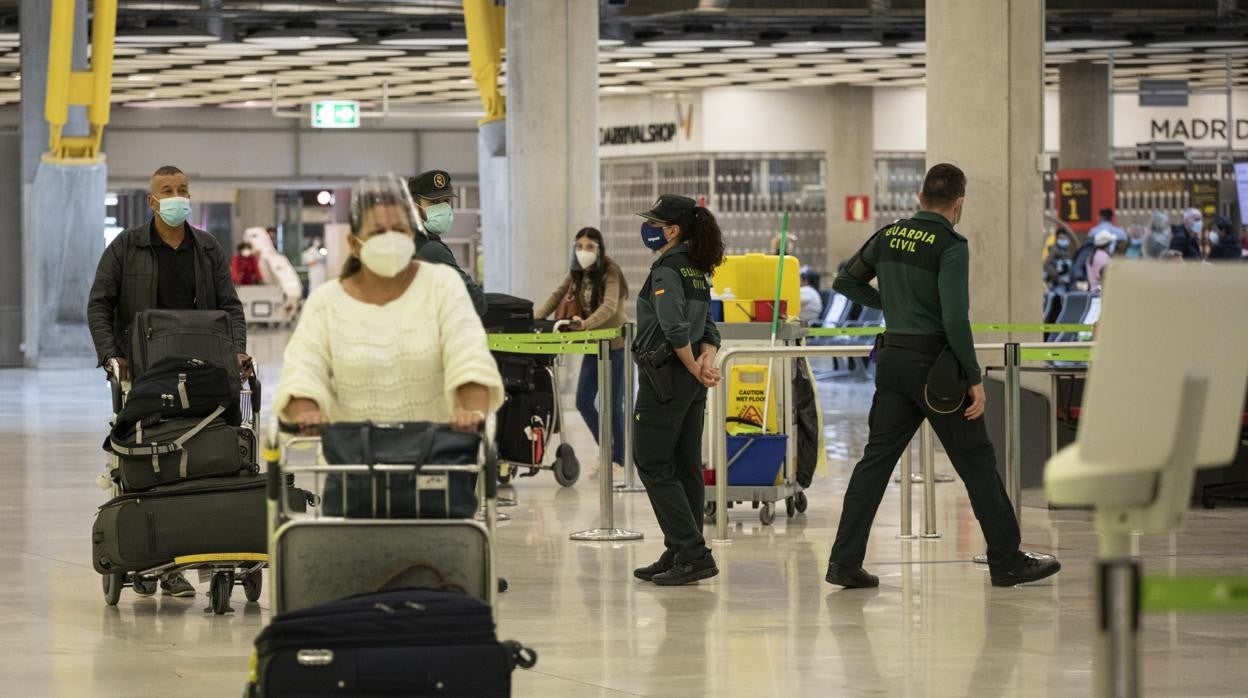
<point>386,254</point>
<point>586,258</point>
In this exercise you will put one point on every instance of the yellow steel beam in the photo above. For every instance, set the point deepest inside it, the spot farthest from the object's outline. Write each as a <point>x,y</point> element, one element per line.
<point>485,24</point>
<point>66,87</point>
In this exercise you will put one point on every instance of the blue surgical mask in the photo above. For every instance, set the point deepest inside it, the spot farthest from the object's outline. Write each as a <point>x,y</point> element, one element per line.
<point>1198,226</point>
<point>652,236</point>
<point>174,210</point>
<point>1214,237</point>
<point>438,218</point>
<point>1063,243</point>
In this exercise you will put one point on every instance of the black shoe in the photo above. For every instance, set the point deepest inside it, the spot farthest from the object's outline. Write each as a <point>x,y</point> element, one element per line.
<point>687,572</point>
<point>647,573</point>
<point>850,579</point>
<point>1028,569</point>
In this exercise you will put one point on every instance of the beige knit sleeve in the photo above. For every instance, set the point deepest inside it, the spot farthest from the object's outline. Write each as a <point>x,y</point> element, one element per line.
<point>306,368</point>
<point>466,357</point>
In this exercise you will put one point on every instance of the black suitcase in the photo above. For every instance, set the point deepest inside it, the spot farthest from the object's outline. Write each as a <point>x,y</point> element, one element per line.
<point>203,334</point>
<point>507,314</point>
<point>150,456</point>
<point>137,531</point>
<point>533,411</point>
<point>405,642</point>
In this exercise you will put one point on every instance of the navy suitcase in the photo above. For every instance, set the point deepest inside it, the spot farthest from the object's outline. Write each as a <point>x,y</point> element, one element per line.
<point>405,642</point>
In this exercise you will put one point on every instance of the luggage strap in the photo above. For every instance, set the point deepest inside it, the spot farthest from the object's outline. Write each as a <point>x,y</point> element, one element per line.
<point>156,450</point>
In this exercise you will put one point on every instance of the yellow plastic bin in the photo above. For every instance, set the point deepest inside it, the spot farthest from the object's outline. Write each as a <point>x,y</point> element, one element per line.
<point>753,277</point>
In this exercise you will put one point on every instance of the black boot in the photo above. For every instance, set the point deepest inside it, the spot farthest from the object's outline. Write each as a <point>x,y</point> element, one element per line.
<point>850,579</point>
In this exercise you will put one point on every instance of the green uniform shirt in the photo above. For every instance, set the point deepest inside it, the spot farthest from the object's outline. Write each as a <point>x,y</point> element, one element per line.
<point>434,251</point>
<point>923,267</point>
<point>674,305</point>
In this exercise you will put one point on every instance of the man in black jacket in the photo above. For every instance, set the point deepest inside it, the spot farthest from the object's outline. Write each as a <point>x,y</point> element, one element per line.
<point>432,192</point>
<point>163,264</point>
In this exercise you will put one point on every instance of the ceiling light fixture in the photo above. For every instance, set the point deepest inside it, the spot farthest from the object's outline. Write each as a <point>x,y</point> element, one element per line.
<point>163,31</point>
<point>825,38</point>
<point>1084,44</point>
<point>696,36</point>
<point>300,35</point>
<point>430,35</point>
<point>1214,43</point>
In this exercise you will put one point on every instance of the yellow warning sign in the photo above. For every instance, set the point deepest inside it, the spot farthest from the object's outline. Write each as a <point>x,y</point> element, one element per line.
<point>747,395</point>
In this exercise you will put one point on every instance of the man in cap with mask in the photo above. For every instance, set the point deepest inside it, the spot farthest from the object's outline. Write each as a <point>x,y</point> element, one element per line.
<point>165,264</point>
<point>926,369</point>
<point>433,193</point>
<point>1185,238</point>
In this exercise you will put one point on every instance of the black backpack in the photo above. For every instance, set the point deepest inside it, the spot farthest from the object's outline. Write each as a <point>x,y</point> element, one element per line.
<point>180,386</point>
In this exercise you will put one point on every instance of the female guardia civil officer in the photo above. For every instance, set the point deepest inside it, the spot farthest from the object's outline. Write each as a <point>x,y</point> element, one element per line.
<point>675,348</point>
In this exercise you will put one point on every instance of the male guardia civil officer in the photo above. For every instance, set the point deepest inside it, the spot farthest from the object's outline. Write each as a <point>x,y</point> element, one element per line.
<point>926,370</point>
<point>433,193</point>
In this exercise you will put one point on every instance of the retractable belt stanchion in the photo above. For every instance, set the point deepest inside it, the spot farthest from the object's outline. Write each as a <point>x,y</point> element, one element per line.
<point>630,483</point>
<point>907,488</point>
<point>927,455</point>
<point>1013,429</point>
<point>606,530</point>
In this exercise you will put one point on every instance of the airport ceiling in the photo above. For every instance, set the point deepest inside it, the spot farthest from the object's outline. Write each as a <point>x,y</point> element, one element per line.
<point>239,54</point>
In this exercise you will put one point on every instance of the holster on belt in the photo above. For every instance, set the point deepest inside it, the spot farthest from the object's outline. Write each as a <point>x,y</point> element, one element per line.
<point>656,367</point>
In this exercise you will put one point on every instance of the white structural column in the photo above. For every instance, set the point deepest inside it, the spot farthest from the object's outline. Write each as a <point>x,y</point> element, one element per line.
<point>1086,130</point>
<point>985,114</point>
<point>551,141</point>
<point>850,169</point>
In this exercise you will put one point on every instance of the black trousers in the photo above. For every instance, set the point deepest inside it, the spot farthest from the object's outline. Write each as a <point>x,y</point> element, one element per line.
<point>667,448</point>
<point>896,413</point>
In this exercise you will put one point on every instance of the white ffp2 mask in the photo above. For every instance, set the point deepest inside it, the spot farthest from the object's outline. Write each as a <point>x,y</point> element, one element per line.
<point>386,254</point>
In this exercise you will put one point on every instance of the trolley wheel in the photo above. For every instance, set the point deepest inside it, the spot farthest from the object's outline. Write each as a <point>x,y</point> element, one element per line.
<point>790,507</point>
<point>112,587</point>
<point>145,587</point>
<point>1208,503</point>
<point>566,467</point>
<point>252,584</point>
<point>800,502</point>
<point>709,509</point>
<point>767,514</point>
<point>219,592</point>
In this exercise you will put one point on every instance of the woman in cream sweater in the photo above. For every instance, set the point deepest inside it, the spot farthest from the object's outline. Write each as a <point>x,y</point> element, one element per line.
<point>598,287</point>
<point>392,339</point>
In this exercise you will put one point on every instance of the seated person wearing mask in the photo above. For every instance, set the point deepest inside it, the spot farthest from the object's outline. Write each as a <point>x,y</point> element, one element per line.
<point>391,339</point>
<point>1057,265</point>
<point>433,193</point>
<point>812,301</point>
<point>164,264</point>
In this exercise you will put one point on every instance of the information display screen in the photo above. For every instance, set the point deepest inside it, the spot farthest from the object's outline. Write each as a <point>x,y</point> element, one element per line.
<point>1241,186</point>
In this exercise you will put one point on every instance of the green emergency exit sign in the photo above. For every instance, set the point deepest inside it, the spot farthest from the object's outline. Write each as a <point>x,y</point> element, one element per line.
<point>336,113</point>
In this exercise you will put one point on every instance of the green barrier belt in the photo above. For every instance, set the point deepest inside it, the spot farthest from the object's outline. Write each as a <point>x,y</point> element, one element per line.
<point>556,337</point>
<point>1025,327</point>
<point>1026,354</point>
<point>543,347</point>
<point>977,327</point>
<point>1229,594</point>
<point>843,331</point>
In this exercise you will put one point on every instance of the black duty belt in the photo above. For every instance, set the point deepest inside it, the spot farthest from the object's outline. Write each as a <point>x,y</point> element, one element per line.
<point>922,343</point>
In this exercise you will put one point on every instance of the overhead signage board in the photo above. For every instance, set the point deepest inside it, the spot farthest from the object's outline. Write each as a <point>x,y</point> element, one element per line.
<point>1241,186</point>
<point>336,113</point>
<point>1081,194</point>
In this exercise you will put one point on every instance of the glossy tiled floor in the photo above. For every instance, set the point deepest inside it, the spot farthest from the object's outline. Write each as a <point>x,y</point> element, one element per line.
<point>767,626</point>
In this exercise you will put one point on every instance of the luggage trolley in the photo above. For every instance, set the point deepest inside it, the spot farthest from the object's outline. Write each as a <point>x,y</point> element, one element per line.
<point>529,380</point>
<point>317,558</point>
<point>225,570</point>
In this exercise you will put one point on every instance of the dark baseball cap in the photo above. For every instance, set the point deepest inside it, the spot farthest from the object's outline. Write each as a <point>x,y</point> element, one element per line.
<point>670,208</point>
<point>434,184</point>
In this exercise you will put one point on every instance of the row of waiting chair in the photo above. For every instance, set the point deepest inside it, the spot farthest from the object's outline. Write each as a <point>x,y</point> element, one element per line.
<point>839,311</point>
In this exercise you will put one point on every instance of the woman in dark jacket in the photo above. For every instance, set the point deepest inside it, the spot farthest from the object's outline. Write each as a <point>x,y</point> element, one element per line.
<point>1222,243</point>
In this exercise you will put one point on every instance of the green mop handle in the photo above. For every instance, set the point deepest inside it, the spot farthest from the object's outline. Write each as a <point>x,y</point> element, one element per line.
<point>784,246</point>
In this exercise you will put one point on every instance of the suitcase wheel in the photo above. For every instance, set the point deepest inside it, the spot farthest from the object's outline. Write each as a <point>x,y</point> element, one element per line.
<point>219,593</point>
<point>252,584</point>
<point>112,588</point>
<point>566,467</point>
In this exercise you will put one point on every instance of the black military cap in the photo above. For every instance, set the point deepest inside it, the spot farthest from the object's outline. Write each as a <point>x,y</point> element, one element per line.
<point>669,208</point>
<point>434,184</point>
